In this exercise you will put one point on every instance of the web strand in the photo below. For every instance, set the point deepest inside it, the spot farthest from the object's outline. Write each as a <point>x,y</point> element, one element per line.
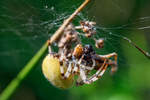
<point>133,44</point>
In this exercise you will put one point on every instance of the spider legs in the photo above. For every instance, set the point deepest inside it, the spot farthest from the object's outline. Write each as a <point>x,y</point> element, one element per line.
<point>49,47</point>
<point>110,55</point>
<point>94,77</point>
<point>62,64</point>
<point>84,71</point>
<point>66,73</point>
<point>98,74</point>
<point>62,69</point>
<point>110,62</point>
<point>69,70</point>
<point>75,69</point>
<point>83,76</point>
<point>72,68</point>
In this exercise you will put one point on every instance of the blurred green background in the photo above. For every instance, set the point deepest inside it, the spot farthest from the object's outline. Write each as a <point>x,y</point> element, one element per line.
<point>26,24</point>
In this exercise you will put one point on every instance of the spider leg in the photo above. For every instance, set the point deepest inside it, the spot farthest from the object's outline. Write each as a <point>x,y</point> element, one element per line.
<point>49,47</point>
<point>94,77</point>
<point>62,64</point>
<point>69,70</point>
<point>83,76</point>
<point>79,81</point>
<point>110,55</point>
<point>114,66</point>
<point>82,79</point>
<point>83,73</point>
<point>98,75</point>
<point>62,69</point>
<point>75,69</point>
<point>99,70</point>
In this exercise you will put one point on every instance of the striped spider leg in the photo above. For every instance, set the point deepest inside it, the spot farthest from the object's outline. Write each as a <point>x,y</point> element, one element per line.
<point>94,77</point>
<point>102,62</point>
<point>68,71</point>
<point>72,61</point>
<point>68,59</point>
<point>65,62</point>
<point>113,64</point>
<point>86,63</point>
<point>102,69</point>
<point>76,67</point>
<point>84,71</point>
<point>99,73</point>
<point>77,64</point>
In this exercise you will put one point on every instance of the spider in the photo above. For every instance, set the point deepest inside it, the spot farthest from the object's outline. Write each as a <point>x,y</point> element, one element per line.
<point>87,27</point>
<point>60,68</point>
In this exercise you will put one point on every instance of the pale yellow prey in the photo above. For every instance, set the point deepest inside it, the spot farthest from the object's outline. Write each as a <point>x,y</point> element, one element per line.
<point>51,70</point>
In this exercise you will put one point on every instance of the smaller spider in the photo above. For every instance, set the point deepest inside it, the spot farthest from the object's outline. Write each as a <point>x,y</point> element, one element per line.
<point>87,27</point>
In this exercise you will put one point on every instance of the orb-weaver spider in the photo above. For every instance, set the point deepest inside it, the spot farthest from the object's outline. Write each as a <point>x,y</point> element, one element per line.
<point>80,60</point>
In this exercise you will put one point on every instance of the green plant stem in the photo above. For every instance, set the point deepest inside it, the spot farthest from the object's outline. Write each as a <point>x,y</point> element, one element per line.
<point>9,90</point>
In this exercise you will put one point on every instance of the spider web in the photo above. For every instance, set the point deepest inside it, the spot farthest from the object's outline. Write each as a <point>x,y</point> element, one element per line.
<point>25,25</point>
<point>32,24</point>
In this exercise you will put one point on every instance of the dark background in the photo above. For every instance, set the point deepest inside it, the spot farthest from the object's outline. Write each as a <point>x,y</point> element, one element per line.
<point>26,24</point>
